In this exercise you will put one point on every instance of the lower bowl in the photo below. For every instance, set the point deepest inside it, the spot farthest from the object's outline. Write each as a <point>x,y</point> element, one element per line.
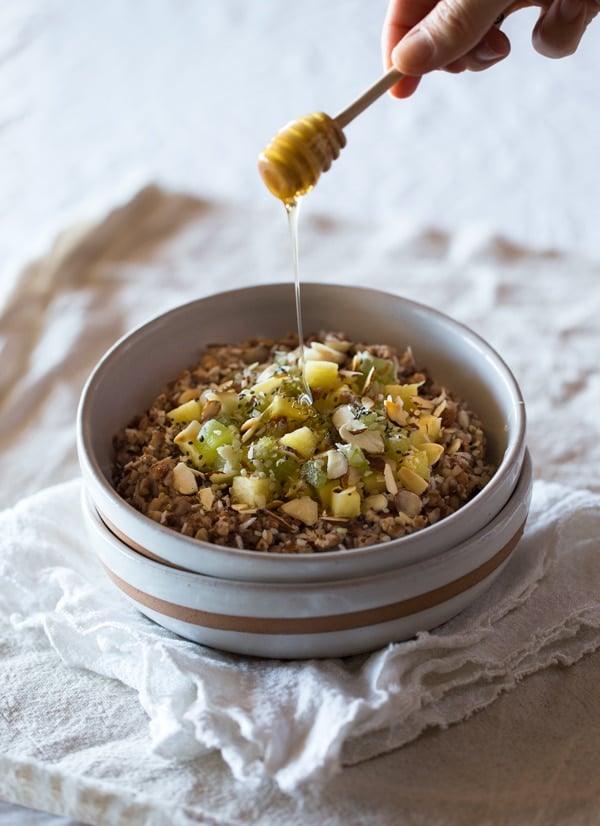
<point>331,618</point>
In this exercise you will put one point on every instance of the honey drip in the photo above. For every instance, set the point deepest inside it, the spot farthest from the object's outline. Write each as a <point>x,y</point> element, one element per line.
<point>292,209</point>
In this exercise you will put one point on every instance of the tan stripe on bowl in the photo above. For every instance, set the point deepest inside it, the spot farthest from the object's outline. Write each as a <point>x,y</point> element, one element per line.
<point>326,623</point>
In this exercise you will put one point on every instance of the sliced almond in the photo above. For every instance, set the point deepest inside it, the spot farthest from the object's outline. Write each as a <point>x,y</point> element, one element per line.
<point>376,502</point>
<point>390,480</point>
<point>250,427</point>
<point>184,480</point>
<point>412,481</point>
<point>408,503</point>
<point>342,415</point>
<point>337,464</point>
<point>455,446</point>
<point>369,379</point>
<point>395,411</point>
<point>210,410</point>
<point>321,352</point>
<point>371,441</point>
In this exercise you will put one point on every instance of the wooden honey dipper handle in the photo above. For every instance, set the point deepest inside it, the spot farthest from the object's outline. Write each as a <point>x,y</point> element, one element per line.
<point>375,91</point>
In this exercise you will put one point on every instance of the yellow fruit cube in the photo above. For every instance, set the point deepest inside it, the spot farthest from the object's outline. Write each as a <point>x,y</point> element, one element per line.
<point>406,392</point>
<point>321,374</point>
<point>417,461</point>
<point>254,491</point>
<point>304,509</point>
<point>433,451</point>
<point>430,426</point>
<point>345,503</point>
<point>284,408</point>
<point>302,441</point>
<point>324,492</point>
<point>268,386</point>
<point>187,412</point>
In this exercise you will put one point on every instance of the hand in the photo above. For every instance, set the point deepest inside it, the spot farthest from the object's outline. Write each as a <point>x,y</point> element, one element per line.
<point>422,35</point>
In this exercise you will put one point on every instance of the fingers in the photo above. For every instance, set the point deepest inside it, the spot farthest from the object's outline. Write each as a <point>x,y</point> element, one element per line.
<point>449,31</point>
<point>559,29</point>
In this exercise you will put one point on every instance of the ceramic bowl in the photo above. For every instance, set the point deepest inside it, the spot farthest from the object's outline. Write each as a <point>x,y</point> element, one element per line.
<point>328,618</point>
<point>136,368</point>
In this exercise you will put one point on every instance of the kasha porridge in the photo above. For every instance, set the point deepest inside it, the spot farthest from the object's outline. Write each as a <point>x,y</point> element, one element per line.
<point>229,455</point>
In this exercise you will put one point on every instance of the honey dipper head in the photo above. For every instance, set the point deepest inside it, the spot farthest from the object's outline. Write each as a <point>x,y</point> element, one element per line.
<point>290,165</point>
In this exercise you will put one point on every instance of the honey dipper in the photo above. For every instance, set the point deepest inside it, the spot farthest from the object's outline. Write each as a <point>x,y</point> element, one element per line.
<point>291,164</point>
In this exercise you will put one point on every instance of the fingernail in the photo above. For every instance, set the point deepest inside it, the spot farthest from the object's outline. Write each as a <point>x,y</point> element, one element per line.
<point>569,10</point>
<point>416,50</point>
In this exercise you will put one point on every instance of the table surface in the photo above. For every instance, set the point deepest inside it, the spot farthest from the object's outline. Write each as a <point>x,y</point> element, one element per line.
<point>98,100</point>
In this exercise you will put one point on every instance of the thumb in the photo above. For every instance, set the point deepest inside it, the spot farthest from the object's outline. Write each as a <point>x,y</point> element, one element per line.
<point>450,30</point>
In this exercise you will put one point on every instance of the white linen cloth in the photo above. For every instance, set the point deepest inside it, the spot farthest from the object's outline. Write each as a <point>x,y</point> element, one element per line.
<point>101,710</point>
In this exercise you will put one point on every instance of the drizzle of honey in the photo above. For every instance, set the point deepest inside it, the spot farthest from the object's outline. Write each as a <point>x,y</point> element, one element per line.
<point>290,166</point>
<point>292,208</point>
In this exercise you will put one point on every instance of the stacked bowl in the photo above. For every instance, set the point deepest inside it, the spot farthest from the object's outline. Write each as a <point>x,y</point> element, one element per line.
<point>333,603</point>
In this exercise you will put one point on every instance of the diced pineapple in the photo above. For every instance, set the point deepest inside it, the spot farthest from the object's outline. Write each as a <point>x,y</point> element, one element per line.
<point>268,386</point>
<point>321,374</point>
<point>302,441</point>
<point>325,492</point>
<point>284,408</point>
<point>430,426</point>
<point>187,412</point>
<point>304,509</point>
<point>417,438</point>
<point>188,433</point>
<point>187,442</point>
<point>406,392</point>
<point>345,503</point>
<point>417,461</point>
<point>253,491</point>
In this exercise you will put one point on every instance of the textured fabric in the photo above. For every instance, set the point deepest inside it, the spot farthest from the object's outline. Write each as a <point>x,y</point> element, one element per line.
<point>103,711</point>
<point>295,722</point>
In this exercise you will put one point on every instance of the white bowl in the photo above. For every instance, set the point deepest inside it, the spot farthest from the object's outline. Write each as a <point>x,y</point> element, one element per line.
<point>330,618</point>
<point>138,366</point>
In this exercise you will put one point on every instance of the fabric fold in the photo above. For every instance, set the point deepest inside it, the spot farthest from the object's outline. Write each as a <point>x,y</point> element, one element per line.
<point>296,723</point>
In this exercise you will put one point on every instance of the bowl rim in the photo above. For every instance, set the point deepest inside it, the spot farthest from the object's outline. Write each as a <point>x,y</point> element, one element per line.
<point>513,454</point>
